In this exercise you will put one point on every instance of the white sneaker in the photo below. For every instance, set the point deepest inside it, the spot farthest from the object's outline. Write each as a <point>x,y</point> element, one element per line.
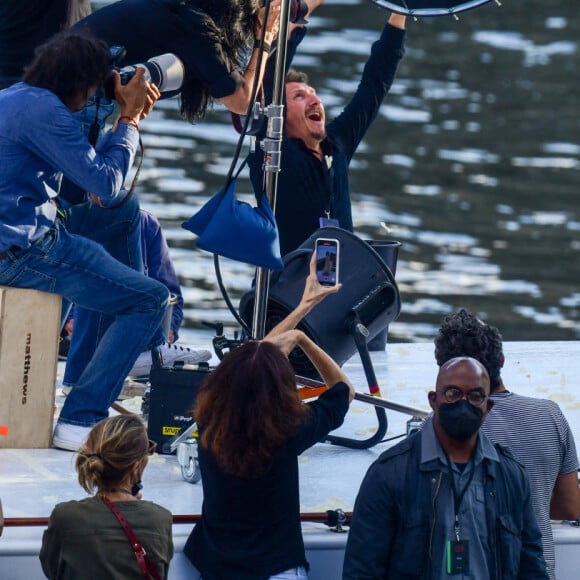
<point>69,437</point>
<point>170,353</point>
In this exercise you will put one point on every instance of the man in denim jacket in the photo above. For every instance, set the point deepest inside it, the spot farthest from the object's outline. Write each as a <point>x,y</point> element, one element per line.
<point>446,501</point>
<point>88,254</point>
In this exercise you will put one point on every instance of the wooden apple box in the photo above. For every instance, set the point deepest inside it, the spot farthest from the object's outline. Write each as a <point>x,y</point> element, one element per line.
<point>29,337</point>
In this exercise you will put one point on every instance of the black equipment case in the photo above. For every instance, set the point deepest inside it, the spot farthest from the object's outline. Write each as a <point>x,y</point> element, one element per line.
<point>369,293</point>
<point>172,393</point>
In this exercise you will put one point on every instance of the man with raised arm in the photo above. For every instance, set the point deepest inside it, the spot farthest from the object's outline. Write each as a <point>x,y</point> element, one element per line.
<point>313,182</point>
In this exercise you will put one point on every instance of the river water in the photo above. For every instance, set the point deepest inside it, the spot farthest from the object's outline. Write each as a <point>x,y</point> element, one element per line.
<point>473,164</point>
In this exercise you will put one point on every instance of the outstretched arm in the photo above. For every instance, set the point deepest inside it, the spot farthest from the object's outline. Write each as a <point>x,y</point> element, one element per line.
<point>286,338</point>
<point>314,293</point>
<point>378,76</point>
<point>239,100</point>
<point>326,366</point>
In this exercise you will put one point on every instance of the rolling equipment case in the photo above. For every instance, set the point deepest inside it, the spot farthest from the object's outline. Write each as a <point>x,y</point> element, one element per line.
<point>172,393</point>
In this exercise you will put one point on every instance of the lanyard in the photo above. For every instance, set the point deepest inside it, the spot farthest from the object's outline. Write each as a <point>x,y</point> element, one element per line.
<point>328,172</point>
<point>327,169</point>
<point>458,497</point>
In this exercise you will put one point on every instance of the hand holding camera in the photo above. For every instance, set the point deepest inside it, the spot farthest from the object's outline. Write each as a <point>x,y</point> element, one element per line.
<point>165,71</point>
<point>153,94</point>
<point>137,97</point>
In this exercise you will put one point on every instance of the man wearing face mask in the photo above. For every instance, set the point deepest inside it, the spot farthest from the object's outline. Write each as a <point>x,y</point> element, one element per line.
<point>535,430</point>
<point>446,502</point>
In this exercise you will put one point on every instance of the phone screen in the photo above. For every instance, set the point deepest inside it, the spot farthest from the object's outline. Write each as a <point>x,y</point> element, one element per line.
<point>327,261</point>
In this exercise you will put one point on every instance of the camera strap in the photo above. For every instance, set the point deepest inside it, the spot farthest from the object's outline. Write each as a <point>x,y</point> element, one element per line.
<point>95,128</point>
<point>136,178</point>
<point>133,183</point>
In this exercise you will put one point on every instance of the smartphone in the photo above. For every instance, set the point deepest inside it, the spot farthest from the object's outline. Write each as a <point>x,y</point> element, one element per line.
<point>327,261</point>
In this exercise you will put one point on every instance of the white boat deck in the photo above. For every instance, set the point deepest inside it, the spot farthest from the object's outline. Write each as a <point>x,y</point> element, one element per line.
<point>32,481</point>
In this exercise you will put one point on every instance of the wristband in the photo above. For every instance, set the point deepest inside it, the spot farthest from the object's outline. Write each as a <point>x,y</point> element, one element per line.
<point>266,47</point>
<point>129,121</point>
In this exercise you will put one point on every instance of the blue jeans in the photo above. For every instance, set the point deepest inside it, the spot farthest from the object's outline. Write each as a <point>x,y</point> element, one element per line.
<point>118,230</point>
<point>86,274</point>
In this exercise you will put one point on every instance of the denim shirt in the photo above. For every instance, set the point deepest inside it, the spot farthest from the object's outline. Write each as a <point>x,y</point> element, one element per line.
<point>40,141</point>
<point>472,511</point>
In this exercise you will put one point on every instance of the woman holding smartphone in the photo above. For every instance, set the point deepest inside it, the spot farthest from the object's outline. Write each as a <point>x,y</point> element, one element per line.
<point>252,427</point>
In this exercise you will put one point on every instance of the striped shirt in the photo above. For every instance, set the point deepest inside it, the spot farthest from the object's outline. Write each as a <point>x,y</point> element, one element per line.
<point>539,437</point>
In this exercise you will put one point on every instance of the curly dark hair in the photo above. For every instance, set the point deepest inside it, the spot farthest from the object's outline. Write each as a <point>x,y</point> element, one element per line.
<point>67,64</point>
<point>248,408</point>
<point>464,334</point>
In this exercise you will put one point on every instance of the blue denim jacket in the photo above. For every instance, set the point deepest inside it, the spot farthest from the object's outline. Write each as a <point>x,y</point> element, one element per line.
<point>393,525</point>
<point>39,141</point>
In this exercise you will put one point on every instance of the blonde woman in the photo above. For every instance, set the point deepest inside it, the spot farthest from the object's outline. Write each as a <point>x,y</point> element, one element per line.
<point>85,539</point>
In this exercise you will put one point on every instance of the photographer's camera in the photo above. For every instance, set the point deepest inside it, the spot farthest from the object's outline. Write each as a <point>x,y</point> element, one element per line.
<point>166,71</point>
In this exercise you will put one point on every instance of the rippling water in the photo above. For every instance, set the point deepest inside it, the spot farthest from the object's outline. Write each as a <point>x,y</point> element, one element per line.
<point>473,164</point>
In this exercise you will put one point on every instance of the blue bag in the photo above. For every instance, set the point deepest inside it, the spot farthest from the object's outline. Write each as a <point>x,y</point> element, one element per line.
<point>236,230</point>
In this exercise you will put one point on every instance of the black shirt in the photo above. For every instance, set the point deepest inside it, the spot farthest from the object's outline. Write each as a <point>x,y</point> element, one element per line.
<point>24,24</point>
<point>148,28</point>
<point>250,528</point>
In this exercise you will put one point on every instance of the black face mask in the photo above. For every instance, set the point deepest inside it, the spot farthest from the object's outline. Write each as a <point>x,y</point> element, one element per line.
<point>460,420</point>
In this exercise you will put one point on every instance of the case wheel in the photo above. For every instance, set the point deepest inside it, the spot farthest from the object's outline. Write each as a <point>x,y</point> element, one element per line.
<point>191,472</point>
<point>188,461</point>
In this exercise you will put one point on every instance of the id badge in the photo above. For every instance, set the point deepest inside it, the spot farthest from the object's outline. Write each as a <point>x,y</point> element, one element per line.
<point>326,222</point>
<point>457,557</point>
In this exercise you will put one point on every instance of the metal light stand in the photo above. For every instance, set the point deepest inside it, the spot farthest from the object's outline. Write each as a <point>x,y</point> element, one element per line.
<point>272,145</point>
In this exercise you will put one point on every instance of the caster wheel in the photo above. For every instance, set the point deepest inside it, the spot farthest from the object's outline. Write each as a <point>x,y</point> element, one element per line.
<point>191,472</point>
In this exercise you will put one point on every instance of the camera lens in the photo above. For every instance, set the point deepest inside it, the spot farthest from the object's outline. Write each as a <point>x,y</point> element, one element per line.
<point>166,71</point>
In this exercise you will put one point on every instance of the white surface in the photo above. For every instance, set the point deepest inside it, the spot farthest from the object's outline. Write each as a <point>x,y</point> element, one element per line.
<point>33,480</point>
